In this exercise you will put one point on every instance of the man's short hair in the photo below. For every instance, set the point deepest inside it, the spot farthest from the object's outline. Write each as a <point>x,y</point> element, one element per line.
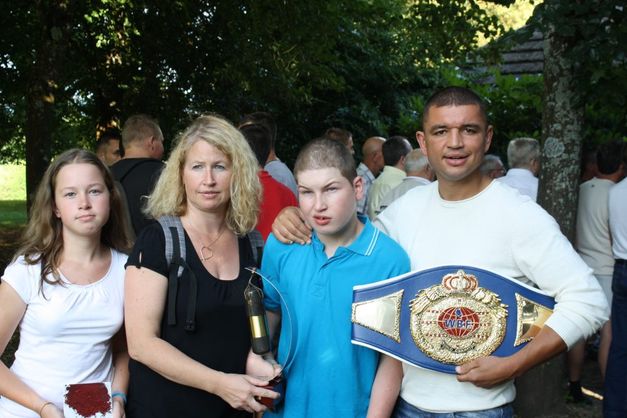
<point>454,96</point>
<point>394,149</point>
<point>415,161</point>
<point>139,127</point>
<point>338,134</point>
<point>490,162</point>
<point>263,118</point>
<point>258,137</point>
<point>610,156</point>
<point>522,151</point>
<point>106,136</point>
<point>326,153</point>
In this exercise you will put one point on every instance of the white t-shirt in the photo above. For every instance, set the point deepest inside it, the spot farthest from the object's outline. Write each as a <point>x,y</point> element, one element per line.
<point>618,219</point>
<point>389,179</point>
<point>65,337</point>
<point>593,241</point>
<point>522,180</point>
<point>505,232</point>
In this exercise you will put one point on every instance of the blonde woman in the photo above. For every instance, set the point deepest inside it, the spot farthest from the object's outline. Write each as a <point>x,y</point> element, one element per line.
<point>211,183</point>
<point>65,290</point>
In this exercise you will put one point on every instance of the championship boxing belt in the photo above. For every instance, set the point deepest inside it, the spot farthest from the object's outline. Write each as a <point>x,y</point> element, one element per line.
<point>446,316</point>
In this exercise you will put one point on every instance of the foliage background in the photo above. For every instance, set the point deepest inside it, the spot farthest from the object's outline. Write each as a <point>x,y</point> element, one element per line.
<point>70,69</point>
<point>363,65</point>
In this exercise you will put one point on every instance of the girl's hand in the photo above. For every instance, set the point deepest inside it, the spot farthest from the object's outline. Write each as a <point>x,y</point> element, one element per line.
<point>118,408</point>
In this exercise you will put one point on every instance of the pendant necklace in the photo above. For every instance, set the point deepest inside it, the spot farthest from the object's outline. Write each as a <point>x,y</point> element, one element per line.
<point>206,252</point>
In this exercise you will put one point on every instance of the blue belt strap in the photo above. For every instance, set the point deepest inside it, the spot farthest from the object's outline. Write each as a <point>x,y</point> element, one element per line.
<point>445,316</point>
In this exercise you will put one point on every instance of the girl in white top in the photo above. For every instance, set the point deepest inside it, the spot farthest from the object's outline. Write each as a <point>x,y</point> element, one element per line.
<point>65,289</point>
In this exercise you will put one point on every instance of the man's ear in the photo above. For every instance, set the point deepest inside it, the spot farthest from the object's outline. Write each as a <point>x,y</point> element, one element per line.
<point>422,143</point>
<point>535,166</point>
<point>401,162</point>
<point>488,138</point>
<point>358,186</point>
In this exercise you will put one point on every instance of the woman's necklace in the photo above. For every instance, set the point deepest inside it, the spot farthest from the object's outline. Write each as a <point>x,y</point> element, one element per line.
<point>206,251</point>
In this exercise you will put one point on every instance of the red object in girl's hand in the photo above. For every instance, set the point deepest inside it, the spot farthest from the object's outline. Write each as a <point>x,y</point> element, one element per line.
<point>87,400</point>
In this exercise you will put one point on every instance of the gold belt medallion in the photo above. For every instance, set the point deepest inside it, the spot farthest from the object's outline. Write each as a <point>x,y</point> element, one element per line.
<point>457,321</point>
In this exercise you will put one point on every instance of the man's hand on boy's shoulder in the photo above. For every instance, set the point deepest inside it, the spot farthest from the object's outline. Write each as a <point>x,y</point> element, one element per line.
<point>289,227</point>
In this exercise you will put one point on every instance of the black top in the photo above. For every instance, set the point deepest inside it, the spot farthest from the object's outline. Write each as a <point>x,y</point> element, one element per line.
<point>138,177</point>
<point>221,339</point>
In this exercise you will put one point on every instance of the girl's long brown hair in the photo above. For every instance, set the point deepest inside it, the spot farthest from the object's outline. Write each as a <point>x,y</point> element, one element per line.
<point>42,241</point>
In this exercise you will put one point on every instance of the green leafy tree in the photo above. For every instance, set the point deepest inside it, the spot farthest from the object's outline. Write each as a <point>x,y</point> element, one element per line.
<point>364,65</point>
<point>585,57</point>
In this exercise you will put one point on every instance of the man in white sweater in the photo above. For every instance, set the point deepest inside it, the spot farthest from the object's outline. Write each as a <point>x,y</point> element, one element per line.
<point>466,218</point>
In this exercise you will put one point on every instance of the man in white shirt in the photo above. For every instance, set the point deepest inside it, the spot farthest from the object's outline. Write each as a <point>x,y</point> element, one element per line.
<point>467,218</point>
<point>419,173</point>
<point>395,151</point>
<point>523,157</point>
<point>369,168</point>
<point>492,166</point>
<point>594,244</point>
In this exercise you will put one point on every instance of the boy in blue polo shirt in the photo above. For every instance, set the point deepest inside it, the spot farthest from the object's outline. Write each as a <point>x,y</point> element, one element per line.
<point>326,375</point>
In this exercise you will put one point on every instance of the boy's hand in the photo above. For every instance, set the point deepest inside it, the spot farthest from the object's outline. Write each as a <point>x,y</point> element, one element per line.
<point>289,226</point>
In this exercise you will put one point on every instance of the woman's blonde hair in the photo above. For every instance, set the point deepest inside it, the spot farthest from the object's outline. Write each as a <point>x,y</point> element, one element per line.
<point>168,197</point>
<point>42,241</point>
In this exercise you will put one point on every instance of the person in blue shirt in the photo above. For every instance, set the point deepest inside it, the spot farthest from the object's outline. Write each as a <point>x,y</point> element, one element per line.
<point>326,375</point>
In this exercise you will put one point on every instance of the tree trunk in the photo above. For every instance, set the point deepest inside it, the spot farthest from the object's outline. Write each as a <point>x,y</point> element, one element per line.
<point>541,391</point>
<point>42,87</point>
<point>562,122</point>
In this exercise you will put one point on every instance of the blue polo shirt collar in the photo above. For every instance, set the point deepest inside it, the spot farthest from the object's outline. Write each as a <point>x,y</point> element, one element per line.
<point>364,244</point>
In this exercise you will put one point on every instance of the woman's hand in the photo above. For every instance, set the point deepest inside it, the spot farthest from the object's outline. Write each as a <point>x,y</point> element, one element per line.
<point>240,391</point>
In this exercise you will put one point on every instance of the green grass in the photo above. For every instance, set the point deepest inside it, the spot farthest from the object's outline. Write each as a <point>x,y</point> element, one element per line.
<point>12,213</point>
<point>12,182</point>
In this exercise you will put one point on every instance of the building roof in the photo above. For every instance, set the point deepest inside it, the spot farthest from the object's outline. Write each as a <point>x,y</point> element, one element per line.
<point>524,58</point>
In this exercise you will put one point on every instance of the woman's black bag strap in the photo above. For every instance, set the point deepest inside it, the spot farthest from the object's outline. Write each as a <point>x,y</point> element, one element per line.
<point>175,254</point>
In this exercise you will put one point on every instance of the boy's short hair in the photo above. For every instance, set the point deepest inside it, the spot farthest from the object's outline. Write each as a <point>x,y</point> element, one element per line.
<point>326,153</point>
